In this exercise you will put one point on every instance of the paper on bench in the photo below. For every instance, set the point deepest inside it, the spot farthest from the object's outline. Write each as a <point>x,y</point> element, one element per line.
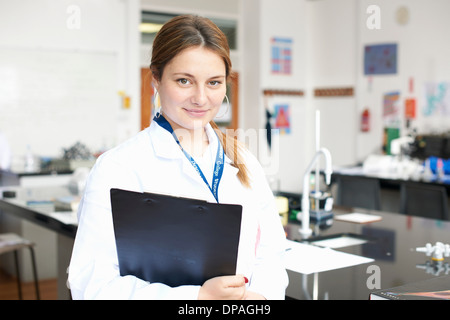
<point>306,259</point>
<point>357,217</point>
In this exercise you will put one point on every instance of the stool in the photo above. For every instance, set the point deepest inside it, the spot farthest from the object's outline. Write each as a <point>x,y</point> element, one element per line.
<point>10,242</point>
<point>428,201</point>
<point>358,192</point>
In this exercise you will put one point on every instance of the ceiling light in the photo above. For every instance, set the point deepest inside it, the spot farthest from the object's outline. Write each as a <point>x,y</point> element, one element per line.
<point>146,27</point>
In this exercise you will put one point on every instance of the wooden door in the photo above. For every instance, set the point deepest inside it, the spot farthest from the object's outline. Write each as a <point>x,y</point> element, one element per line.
<point>146,97</point>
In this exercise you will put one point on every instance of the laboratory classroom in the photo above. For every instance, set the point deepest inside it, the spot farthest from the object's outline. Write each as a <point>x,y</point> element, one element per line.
<point>345,103</point>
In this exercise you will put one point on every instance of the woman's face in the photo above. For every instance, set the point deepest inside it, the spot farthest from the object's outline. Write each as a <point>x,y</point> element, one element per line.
<point>192,88</point>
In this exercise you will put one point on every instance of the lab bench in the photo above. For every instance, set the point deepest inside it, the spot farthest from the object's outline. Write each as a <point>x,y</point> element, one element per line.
<point>30,212</point>
<point>390,242</point>
<point>37,178</point>
<point>389,193</point>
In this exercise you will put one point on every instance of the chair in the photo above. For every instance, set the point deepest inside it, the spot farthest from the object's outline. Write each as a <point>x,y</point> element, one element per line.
<point>358,192</point>
<point>424,200</point>
<point>10,242</point>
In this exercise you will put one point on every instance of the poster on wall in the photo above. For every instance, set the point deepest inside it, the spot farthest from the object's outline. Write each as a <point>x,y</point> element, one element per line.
<point>437,99</point>
<point>281,58</point>
<point>391,109</point>
<point>380,59</point>
<point>389,134</point>
<point>282,118</point>
<point>410,108</point>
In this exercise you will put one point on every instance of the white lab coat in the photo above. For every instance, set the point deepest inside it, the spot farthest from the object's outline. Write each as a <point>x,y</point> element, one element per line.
<point>152,162</point>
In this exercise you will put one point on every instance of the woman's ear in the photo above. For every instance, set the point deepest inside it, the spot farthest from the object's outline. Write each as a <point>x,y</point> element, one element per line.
<point>154,76</point>
<point>155,84</point>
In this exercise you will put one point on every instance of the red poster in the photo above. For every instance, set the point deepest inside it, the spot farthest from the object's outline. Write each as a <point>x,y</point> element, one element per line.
<point>410,108</point>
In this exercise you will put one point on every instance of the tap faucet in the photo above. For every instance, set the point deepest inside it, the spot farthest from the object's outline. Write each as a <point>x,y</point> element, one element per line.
<point>305,231</point>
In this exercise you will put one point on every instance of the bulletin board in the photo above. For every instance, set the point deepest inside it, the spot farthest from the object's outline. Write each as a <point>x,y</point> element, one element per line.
<point>380,59</point>
<point>50,99</point>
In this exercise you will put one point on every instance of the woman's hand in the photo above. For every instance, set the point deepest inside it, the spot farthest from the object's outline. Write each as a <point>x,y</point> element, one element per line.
<point>224,288</point>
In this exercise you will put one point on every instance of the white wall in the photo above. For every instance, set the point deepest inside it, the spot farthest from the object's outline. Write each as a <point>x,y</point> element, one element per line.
<point>423,55</point>
<point>324,53</point>
<point>331,64</point>
<point>63,63</point>
<point>336,33</point>
<point>264,20</point>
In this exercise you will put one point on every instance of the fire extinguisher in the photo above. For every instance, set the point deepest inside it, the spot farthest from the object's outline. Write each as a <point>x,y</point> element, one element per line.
<point>365,120</point>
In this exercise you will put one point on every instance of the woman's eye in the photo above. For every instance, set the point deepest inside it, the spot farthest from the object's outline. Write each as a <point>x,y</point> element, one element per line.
<point>214,83</point>
<point>183,81</point>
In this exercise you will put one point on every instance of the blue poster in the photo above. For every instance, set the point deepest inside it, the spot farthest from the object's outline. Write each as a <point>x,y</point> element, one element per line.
<point>281,55</point>
<point>380,59</point>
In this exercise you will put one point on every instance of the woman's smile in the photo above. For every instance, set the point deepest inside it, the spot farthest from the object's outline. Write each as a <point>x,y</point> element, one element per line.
<point>196,113</point>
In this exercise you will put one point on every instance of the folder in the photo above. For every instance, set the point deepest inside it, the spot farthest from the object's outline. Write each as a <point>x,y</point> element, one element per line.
<point>174,240</point>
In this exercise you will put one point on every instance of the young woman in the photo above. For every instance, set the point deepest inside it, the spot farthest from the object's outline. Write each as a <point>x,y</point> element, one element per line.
<point>190,67</point>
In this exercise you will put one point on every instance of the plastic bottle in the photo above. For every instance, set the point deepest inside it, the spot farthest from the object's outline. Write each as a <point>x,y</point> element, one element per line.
<point>427,172</point>
<point>440,169</point>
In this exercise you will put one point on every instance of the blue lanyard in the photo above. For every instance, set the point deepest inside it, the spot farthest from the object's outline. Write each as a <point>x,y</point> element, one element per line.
<point>218,166</point>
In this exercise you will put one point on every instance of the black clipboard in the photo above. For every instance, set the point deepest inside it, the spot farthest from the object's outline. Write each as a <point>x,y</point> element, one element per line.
<point>173,240</point>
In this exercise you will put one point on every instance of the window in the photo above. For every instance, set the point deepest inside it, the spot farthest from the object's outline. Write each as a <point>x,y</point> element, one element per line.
<point>151,22</point>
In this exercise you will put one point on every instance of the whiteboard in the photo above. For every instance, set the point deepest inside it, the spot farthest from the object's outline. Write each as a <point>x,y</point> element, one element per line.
<point>51,99</point>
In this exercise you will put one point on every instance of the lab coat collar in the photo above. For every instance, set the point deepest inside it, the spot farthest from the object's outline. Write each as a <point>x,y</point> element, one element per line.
<point>163,142</point>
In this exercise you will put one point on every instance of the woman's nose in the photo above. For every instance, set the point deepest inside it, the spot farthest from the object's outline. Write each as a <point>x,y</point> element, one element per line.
<point>199,96</point>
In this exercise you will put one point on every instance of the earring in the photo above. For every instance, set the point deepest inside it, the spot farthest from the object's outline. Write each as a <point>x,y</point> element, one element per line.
<point>228,108</point>
<point>157,104</point>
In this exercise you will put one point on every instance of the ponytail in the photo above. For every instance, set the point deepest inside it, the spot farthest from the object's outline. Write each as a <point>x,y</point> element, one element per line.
<point>233,149</point>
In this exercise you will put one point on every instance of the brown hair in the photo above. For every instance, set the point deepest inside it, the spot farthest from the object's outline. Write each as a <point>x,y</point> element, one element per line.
<point>186,31</point>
